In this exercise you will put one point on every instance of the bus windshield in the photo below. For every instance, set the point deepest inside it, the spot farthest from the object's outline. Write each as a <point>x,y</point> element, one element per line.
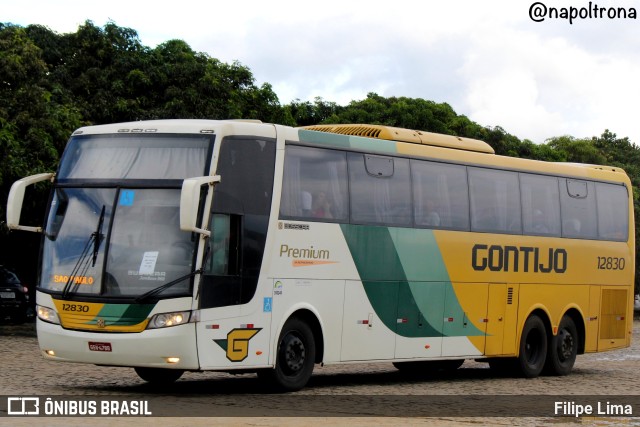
<point>120,235</point>
<point>146,247</point>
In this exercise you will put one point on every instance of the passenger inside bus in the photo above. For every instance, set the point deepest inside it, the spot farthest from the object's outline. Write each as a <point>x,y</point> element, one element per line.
<point>321,207</point>
<point>539,222</point>
<point>432,218</point>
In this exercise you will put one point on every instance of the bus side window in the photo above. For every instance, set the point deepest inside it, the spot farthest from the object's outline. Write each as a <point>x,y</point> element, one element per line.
<point>380,190</point>
<point>578,206</point>
<point>540,204</point>
<point>441,195</point>
<point>495,201</point>
<point>613,211</point>
<point>314,185</point>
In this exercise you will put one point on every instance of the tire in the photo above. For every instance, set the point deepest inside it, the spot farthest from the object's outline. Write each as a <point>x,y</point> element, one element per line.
<point>295,358</point>
<point>533,348</point>
<point>563,348</point>
<point>159,375</point>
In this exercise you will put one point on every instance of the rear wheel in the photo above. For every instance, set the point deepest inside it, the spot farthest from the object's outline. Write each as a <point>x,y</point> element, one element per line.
<point>563,348</point>
<point>533,348</point>
<point>295,357</point>
<point>159,375</point>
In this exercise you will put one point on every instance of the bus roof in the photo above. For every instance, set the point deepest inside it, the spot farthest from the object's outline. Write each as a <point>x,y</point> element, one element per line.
<point>167,126</point>
<point>406,135</point>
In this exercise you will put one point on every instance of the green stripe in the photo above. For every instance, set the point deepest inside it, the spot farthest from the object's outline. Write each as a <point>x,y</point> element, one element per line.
<point>334,140</point>
<point>405,278</point>
<point>123,314</point>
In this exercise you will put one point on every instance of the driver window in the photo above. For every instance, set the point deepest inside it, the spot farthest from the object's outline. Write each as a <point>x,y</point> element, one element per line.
<point>223,250</point>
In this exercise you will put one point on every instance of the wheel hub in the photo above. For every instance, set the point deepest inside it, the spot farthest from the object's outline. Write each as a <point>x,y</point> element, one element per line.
<point>294,353</point>
<point>566,345</point>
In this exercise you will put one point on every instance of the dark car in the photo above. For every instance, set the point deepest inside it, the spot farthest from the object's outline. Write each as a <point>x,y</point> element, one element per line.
<point>14,298</point>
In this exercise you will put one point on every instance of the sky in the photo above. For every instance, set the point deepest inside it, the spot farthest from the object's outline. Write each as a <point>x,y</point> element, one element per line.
<point>487,59</point>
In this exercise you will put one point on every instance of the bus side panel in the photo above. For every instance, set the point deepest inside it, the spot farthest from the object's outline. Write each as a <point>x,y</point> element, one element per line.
<point>420,319</point>
<point>464,326</point>
<point>235,337</point>
<point>614,318</point>
<point>365,335</point>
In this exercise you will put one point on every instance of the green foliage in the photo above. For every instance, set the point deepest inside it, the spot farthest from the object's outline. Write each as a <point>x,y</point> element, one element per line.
<point>36,116</point>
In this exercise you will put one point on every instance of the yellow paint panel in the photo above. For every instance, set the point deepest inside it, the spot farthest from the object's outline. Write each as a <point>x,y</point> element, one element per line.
<point>84,316</point>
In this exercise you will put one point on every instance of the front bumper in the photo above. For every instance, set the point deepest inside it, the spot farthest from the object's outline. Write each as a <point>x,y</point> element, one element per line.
<point>149,348</point>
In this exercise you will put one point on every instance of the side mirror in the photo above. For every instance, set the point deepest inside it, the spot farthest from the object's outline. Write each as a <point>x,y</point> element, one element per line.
<point>16,198</point>
<point>190,202</point>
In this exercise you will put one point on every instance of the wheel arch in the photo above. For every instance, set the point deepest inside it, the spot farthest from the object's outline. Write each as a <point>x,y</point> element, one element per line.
<point>546,320</point>
<point>311,318</point>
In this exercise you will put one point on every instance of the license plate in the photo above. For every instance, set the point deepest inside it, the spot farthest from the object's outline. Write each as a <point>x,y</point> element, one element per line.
<point>99,346</point>
<point>9,295</point>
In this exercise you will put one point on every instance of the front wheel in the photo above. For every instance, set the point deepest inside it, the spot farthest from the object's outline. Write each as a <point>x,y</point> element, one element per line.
<point>564,348</point>
<point>295,357</point>
<point>533,348</point>
<point>158,375</point>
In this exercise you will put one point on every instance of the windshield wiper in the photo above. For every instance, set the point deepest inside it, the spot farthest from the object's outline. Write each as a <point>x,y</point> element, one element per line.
<point>97,238</point>
<point>161,288</point>
<point>82,265</point>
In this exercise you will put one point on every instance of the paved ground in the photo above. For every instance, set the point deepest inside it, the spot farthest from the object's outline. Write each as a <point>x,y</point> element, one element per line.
<point>337,395</point>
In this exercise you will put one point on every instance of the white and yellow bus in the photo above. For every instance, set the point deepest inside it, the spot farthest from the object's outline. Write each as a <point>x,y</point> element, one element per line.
<point>192,245</point>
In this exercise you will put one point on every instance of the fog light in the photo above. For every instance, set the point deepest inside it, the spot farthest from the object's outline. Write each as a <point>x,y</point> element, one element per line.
<point>172,359</point>
<point>50,353</point>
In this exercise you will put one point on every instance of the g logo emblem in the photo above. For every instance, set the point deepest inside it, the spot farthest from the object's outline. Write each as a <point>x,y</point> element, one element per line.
<point>238,343</point>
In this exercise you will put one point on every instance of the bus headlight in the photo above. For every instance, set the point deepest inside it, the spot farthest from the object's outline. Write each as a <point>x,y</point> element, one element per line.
<point>165,320</point>
<point>48,315</point>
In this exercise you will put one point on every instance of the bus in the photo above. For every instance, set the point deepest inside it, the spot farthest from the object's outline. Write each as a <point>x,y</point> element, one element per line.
<point>241,246</point>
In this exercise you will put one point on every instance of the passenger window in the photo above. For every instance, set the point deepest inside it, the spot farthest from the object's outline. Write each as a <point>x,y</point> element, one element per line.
<point>613,212</point>
<point>578,204</point>
<point>314,185</point>
<point>540,205</point>
<point>380,190</point>
<point>440,195</point>
<point>495,201</point>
